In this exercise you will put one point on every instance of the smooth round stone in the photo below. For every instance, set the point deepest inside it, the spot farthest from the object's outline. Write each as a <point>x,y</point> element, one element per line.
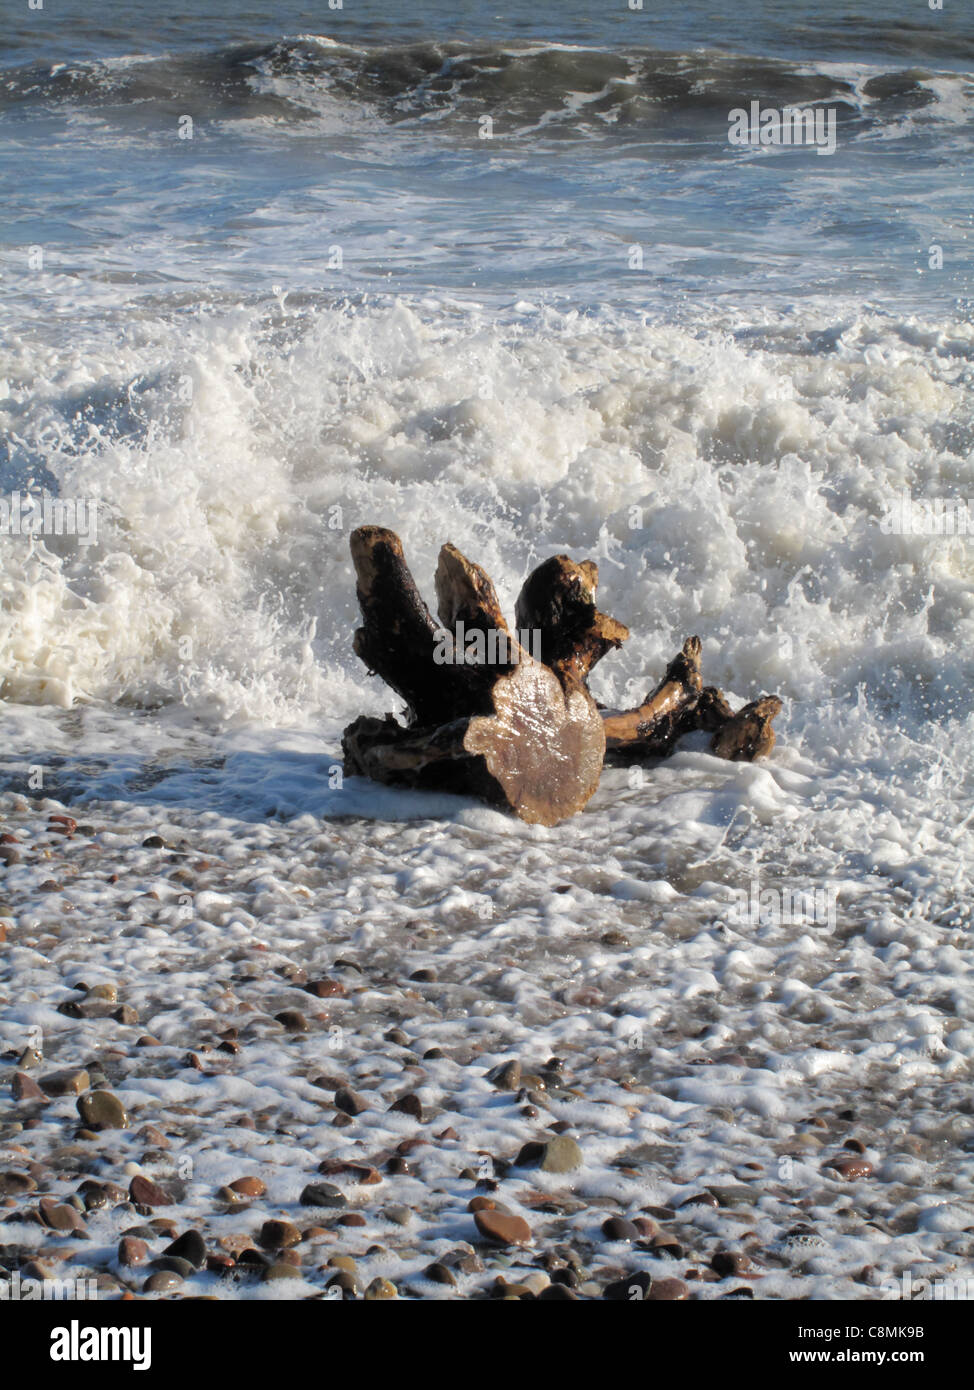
<point>323,1194</point>
<point>189,1246</point>
<point>344,1280</point>
<point>380,1289</point>
<point>66,1083</point>
<point>502,1289</point>
<point>59,1216</point>
<point>278,1235</point>
<point>506,1077</point>
<point>102,1110</point>
<point>250,1259</point>
<point>439,1274</point>
<point>173,1265</point>
<point>667,1291</point>
<point>618,1228</point>
<point>132,1251</point>
<point>145,1193</point>
<point>537,1282</point>
<point>248,1187</point>
<point>109,993</point>
<point>399,1216</point>
<point>280,1270</point>
<point>632,1289</point>
<point>562,1155</point>
<point>24,1087</point>
<point>667,1246</point>
<point>646,1227</point>
<point>850,1167</point>
<point>728,1262</point>
<point>163,1281</point>
<point>292,1020</point>
<point>16,1184</point>
<point>349,1101</point>
<point>408,1105</point>
<point>502,1228</point>
<point>325,988</point>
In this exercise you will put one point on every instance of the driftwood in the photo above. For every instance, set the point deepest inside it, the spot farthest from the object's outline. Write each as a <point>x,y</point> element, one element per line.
<point>508,716</point>
<point>682,703</point>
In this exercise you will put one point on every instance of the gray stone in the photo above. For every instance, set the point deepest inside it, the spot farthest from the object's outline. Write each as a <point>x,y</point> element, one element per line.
<point>323,1194</point>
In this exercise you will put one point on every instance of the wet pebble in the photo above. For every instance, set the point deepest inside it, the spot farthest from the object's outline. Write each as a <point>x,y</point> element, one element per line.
<point>502,1228</point>
<point>146,1193</point>
<point>618,1228</point>
<point>323,1194</point>
<point>102,1110</point>
<point>278,1235</point>
<point>132,1251</point>
<point>349,1101</point>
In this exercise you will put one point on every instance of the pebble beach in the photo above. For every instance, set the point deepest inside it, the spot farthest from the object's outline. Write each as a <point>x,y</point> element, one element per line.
<point>295,1060</point>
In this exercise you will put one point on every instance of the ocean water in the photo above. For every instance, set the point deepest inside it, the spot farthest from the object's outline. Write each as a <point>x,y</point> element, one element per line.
<point>496,276</point>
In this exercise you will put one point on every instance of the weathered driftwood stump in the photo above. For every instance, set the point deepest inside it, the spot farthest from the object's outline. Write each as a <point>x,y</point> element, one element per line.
<point>508,716</point>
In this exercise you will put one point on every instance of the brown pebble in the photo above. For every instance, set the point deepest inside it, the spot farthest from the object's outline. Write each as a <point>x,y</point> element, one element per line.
<point>406,1146</point>
<point>248,1187</point>
<point>326,988</point>
<point>24,1087</point>
<point>132,1251</point>
<point>850,1168</point>
<point>618,1228</point>
<point>481,1204</point>
<point>146,1193</point>
<point>293,1020</point>
<point>502,1228</point>
<point>646,1227</point>
<point>409,1105</point>
<point>59,1216</point>
<point>668,1244</point>
<point>349,1101</point>
<point>278,1235</point>
<point>667,1291</point>
<point>16,1184</point>
<point>363,1173</point>
<point>66,1083</point>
